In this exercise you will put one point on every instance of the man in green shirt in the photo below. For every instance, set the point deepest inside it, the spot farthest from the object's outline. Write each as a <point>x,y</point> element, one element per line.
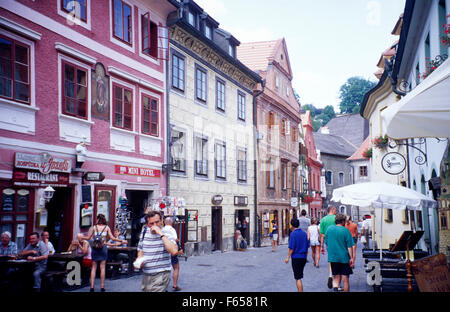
<point>340,243</point>
<point>326,221</point>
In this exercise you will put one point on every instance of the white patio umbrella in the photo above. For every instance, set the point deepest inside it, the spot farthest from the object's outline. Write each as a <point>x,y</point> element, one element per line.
<point>423,112</point>
<point>381,195</point>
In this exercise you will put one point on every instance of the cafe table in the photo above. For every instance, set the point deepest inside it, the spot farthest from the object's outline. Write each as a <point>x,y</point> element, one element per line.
<point>58,261</point>
<point>20,274</point>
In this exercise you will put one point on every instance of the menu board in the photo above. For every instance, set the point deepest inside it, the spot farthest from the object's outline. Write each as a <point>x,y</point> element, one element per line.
<point>8,200</point>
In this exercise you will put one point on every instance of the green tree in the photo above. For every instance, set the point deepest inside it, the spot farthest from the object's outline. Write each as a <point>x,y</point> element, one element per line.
<point>311,108</point>
<point>327,114</point>
<point>352,94</point>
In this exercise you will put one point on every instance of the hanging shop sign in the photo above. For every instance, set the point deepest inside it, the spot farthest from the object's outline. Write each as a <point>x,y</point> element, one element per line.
<point>240,200</point>
<point>45,163</point>
<point>35,178</point>
<point>294,201</point>
<point>216,199</point>
<point>137,171</point>
<point>94,176</point>
<point>393,163</point>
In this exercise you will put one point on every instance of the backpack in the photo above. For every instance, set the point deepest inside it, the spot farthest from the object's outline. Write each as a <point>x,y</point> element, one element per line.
<point>243,244</point>
<point>98,240</point>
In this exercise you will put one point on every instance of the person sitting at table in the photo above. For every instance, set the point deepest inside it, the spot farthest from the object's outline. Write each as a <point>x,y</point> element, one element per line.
<point>8,247</point>
<point>45,238</point>
<point>37,252</point>
<point>82,248</point>
<point>117,257</point>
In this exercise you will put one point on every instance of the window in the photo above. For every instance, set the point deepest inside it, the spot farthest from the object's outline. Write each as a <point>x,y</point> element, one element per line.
<point>363,171</point>
<point>388,215</point>
<point>192,19</point>
<point>294,179</point>
<point>341,178</point>
<point>231,50</point>
<point>149,36</point>
<point>74,102</point>
<point>150,115</point>
<point>178,71</point>
<point>208,32</point>
<point>427,51</point>
<point>443,221</point>
<point>242,165</point>
<point>14,70</point>
<point>329,177</point>
<point>277,82</point>
<point>201,156</point>
<point>177,151</point>
<point>419,219</point>
<point>241,106</point>
<point>16,213</point>
<point>220,160</point>
<point>284,176</point>
<point>271,174</point>
<point>423,187</point>
<point>283,127</point>
<point>417,74</point>
<point>271,120</point>
<point>442,11</point>
<point>77,8</point>
<point>220,94</point>
<point>294,134</point>
<point>122,107</point>
<point>200,81</point>
<point>123,21</point>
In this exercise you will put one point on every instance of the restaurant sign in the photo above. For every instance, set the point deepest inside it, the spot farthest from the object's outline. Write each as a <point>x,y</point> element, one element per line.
<point>33,178</point>
<point>137,171</point>
<point>44,163</point>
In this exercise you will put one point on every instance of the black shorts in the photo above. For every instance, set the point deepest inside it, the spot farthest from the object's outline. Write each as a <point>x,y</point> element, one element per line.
<point>174,259</point>
<point>338,268</point>
<point>298,264</point>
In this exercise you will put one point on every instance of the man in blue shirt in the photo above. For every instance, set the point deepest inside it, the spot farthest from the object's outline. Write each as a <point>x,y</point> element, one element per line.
<point>298,251</point>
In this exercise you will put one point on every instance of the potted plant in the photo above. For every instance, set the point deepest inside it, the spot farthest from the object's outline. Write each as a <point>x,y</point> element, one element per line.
<point>381,142</point>
<point>368,153</point>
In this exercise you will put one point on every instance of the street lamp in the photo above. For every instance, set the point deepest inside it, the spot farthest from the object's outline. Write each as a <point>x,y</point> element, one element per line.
<point>48,193</point>
<point>305,187</point>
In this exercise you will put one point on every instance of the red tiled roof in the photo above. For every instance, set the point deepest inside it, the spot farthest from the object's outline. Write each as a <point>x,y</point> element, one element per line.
<point>359,152</point>
<point>257,55</point>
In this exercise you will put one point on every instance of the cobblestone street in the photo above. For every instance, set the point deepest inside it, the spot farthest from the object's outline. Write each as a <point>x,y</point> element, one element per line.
<point>255,270</point>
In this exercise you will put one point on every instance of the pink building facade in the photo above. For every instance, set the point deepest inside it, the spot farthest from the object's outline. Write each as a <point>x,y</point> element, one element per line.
<point>81,71</point>
<point>314,168</point>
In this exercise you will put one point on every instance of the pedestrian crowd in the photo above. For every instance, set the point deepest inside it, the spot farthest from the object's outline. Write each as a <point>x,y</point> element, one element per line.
<point>337,234</point>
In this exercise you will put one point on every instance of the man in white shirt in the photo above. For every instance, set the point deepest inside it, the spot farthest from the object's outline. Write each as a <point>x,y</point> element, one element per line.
<point>366,230</point>
<point>45,238</point>
<point>170,232</point>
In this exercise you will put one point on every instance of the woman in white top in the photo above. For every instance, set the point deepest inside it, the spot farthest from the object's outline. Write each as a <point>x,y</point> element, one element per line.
<point>313,237</point>
<point>100,255</point>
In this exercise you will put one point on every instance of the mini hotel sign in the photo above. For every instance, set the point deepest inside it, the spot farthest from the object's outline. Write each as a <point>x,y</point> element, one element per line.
<point>137,171</point>
<point>41,170</point>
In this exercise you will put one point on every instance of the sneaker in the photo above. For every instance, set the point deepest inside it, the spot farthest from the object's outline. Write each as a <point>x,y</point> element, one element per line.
<point>330,282</point>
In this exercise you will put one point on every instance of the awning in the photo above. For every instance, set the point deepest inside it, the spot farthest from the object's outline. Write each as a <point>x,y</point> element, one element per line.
<point>425,111</point>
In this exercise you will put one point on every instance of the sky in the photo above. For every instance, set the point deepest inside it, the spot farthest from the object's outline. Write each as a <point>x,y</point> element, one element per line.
<point>328,41</point>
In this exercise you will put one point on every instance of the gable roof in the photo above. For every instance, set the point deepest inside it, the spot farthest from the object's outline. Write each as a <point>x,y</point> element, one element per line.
<point>259,55</point>
<point>352,127</point>
<point>333,145</point>
<point>358,155</point>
